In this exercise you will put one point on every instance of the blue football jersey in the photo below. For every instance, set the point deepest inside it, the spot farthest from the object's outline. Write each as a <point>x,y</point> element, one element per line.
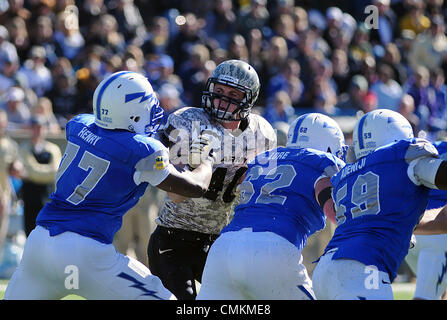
<point>278,193</point>
<point>438,198</point>
<point>378,206</point>
<point>95,183</point>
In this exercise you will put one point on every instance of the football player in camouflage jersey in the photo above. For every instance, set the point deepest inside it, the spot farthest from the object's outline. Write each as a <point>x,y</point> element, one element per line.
<point>186,228</point>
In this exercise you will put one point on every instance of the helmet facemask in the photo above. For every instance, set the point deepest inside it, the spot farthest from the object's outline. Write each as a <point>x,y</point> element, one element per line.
<point>217,111</point>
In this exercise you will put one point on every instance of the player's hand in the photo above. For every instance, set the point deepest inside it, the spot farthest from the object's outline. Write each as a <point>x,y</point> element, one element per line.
<point>201,150</point>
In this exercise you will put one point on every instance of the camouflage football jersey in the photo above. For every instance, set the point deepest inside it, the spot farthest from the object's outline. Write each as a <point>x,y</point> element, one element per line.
<point>212,212</point>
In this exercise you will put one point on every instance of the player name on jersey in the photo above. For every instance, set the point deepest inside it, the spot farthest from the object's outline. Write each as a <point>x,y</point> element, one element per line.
<point>88,136</point>
<point>350,168</point>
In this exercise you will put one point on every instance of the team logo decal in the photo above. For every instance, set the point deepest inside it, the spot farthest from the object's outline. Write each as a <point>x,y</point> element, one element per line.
<point>159,163</point>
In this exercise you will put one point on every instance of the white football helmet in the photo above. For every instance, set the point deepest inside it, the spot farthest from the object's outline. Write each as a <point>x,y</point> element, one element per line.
<point>317,131</point>
<point>378,128</point>
<point>125,100</point>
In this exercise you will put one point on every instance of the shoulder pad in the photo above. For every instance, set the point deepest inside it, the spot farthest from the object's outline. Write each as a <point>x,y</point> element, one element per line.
<point>420,148</point>
<point>149,145</point>
<point>182,121</point>
<point>258,123</point>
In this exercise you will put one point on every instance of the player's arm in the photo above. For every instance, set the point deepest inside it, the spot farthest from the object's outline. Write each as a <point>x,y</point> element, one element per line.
<point>323,195</point>
<point>188,184</point>
<point>433,222</point>
<point>430,172</point>
<point>157,171</point>
<point>425,167</point>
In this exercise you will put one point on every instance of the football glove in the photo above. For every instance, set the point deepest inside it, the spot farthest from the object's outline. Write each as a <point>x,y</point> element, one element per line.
<point>201,150</point>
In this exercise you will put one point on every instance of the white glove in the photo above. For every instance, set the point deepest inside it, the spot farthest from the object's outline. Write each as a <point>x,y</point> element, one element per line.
<point>201,150</point>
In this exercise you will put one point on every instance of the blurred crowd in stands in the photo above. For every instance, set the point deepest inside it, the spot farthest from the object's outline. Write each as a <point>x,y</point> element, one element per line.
<point>310,56</point>
<point>319,56</point>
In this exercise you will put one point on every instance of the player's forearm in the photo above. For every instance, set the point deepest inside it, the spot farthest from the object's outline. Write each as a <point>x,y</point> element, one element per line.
<point>431,225</point>
<point>441,176</point>
<point>189,184</point>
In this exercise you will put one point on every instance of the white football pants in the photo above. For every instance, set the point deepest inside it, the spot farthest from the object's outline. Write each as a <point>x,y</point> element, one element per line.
<point>428,261</point>
<point>346,279</point>
<point>243,265</point>
<point>53,267</point>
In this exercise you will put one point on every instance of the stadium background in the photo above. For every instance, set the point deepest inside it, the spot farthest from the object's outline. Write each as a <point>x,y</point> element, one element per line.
<point>310,55</point>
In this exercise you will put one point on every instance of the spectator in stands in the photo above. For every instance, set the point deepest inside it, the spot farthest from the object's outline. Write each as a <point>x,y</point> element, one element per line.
<point>197,57</point>
<point>11,76</point>
<point>44,109</point>
<point>387,24</point>
<point>274,57</point>
<point>255,17</point>
<point>284,26</point>
<point>418,89</point>
<point>407,108</point>
<point>19,37</point>
<point>64,97</point>
<point>38,75</point>
<point>17,111</point>
<point>388,91</point>
<point>437,100</point>
<point>170,99</point>
<point>129,20</point>
<point>280,109</point>
<point>198,82</point>
<point>430,47</point>
<point>14,8</point>
<point>370,102</point>
<point>360,47</point>
<point>157,37</point>
<point>415,19</point>
<point>221,22</point>
<point>8,51</point>
<point>287,80</point>
<point>237,48</point>
<point>10,164</point>
<point>41,160</point>
<point>89,12</point>
<point>190,34</point>
<point>68,38</point>
<point>392,57</point>
<point>341,74</point>
<point>334,21</point>
<point>104,32</point>
<point>166,74</point>
<point>42,35</point>
<point>353,100</point>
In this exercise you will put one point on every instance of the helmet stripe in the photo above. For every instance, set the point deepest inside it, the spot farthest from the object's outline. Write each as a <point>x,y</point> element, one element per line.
<point>297,129</point>
<point>360,131</point>
<point>100,93</point>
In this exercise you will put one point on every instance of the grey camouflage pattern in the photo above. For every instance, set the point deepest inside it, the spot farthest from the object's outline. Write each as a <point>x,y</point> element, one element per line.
<point>201,214</point>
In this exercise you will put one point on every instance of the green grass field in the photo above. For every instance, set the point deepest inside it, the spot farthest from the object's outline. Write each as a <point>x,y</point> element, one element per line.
<point>402,291</point>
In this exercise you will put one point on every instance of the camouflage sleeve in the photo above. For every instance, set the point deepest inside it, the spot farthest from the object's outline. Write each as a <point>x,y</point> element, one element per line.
<point>176,128</point>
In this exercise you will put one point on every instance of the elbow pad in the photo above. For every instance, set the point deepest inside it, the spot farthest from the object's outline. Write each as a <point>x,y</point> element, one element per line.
<point>422,171</point>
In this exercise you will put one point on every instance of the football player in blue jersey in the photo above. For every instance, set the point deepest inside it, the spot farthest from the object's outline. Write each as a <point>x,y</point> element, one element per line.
<point>379,199</point>
<point>285,198</point>
<point>109,161</point>
<point>428,258</point>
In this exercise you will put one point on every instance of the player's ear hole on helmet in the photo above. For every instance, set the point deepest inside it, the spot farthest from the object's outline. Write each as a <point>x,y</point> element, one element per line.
<point>136,119</point>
